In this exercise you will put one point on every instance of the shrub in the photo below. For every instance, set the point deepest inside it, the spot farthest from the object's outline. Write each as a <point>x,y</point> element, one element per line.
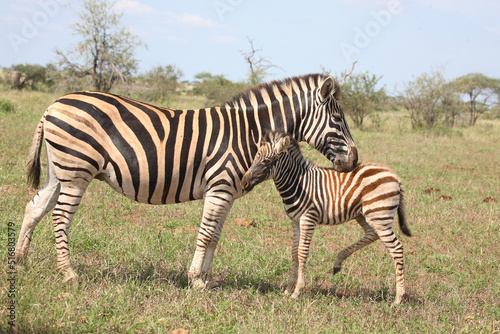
<point>6,106</point>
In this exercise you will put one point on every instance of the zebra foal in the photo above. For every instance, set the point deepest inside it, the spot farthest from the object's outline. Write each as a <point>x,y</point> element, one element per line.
<point>370,193</point>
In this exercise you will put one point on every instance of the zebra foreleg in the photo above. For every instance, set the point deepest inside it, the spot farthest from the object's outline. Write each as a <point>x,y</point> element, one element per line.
<point>369,237</point>
<point>292,281</point>
<point>215,210</point>
<point>206,268</point>
<point>307,228</point>
<point>36,209</point>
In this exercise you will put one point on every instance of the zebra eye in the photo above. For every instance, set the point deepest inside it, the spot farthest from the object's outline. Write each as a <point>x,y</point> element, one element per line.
<point>266,161</point>
<point>337,117</point>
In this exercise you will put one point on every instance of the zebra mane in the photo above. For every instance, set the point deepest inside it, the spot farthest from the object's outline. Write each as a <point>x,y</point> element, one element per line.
<point>310,81</point>
<point>293,150</point>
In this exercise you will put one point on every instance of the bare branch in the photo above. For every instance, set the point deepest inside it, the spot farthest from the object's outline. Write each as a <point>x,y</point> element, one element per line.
<point>347,74</point>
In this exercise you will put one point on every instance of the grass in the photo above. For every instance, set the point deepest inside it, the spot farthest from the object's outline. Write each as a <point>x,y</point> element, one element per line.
<point>132,259</point>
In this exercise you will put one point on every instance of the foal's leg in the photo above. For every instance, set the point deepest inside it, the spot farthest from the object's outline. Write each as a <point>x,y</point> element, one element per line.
<point>292,281</point>
<point>369,237</point>
<point>395,249</point>
<point>307,228</point>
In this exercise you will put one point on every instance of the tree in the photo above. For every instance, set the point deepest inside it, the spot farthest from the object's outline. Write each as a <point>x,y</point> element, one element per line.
<point>452,104</point>
<point>27,75</point>
<point>106,52</point>
<point>258,66</point>
<point>163,80</point>
<point>360,96</point>
<point>422,98</point>
<point>480,91</point>
<point>216,88</point>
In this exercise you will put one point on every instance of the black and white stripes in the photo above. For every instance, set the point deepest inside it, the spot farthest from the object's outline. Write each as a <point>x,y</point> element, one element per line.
<point>156,155</point>
<point>371,194</point>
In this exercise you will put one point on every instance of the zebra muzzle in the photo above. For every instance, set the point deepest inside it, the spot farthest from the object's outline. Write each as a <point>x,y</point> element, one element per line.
<point>245,182</point>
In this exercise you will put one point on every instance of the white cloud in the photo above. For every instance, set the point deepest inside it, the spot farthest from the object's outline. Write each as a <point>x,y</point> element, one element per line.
<point>370,4</point>
<point>475,9</point>
<point>193,20</point>
<point>133,7</point>
<point>494,30</point>
<point>22,9</point>
<point>223,39</point>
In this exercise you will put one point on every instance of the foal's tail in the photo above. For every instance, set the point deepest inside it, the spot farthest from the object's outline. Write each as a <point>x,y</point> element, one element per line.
<point>402,214</point>
<point>34,166</point>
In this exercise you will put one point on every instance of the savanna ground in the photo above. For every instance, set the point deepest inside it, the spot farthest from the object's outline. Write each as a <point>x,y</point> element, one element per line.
<point>132,259</point>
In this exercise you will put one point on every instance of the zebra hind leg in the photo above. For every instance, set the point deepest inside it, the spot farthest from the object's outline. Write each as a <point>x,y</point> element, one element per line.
<point>36,209</point>
<point>66,207</point>
<point>369,237</point>
<point>395,249</point>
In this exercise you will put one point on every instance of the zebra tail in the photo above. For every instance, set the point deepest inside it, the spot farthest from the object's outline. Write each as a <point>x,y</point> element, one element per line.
<point>402,215</point>
<point>33,165</point>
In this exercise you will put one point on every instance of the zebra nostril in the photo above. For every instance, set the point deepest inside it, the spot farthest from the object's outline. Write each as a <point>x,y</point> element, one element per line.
<point>244,182</point>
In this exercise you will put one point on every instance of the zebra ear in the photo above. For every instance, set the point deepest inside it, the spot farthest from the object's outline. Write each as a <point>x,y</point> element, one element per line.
<point>327,89</point>
<point>283,144</point>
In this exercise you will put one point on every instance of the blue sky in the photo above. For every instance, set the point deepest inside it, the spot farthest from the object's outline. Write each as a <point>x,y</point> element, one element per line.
<point>397,40</point>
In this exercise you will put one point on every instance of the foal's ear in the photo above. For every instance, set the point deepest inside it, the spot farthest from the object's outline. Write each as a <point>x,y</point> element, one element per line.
<point>283,144</point>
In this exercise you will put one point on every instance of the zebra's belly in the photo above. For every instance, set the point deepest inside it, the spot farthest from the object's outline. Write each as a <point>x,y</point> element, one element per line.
<point>160,192</point>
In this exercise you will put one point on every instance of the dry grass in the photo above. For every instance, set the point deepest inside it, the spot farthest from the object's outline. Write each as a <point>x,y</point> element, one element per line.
<point>132,259</point>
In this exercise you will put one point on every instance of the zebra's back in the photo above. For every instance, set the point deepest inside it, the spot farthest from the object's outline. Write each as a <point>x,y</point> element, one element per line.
<point>147,153</point>
<point>340,197</point>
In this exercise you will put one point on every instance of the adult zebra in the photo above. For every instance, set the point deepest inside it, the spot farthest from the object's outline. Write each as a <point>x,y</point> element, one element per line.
<point>370,193</point>
<point>158,156</point>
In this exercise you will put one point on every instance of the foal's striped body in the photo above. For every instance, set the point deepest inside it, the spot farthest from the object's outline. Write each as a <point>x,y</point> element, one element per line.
<point>371,194</point>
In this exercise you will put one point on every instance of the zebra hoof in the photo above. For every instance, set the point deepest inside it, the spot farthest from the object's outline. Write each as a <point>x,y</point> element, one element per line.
<point>197,284</point>
<point>71,277</point>
<point>19,257</point>
<point>336,270</point>
<point>212,284</point>
<point>398,300</point>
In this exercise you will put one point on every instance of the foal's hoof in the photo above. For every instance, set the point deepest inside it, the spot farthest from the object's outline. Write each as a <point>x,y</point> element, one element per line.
<point>69,275</point>
<point>336,270</point>
<point>397,301</point>
<point>200,284</point>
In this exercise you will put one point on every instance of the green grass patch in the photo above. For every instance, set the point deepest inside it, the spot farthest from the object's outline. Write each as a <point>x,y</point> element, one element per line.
<point>132,259</point>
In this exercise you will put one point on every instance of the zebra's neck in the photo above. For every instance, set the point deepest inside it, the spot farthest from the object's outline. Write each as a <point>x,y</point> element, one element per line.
<point>290,168</point>
<point>279,105</point>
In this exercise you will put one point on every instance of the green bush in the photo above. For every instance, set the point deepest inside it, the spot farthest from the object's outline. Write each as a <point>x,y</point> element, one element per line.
<point>216,88</point>
<point>6,106</point>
